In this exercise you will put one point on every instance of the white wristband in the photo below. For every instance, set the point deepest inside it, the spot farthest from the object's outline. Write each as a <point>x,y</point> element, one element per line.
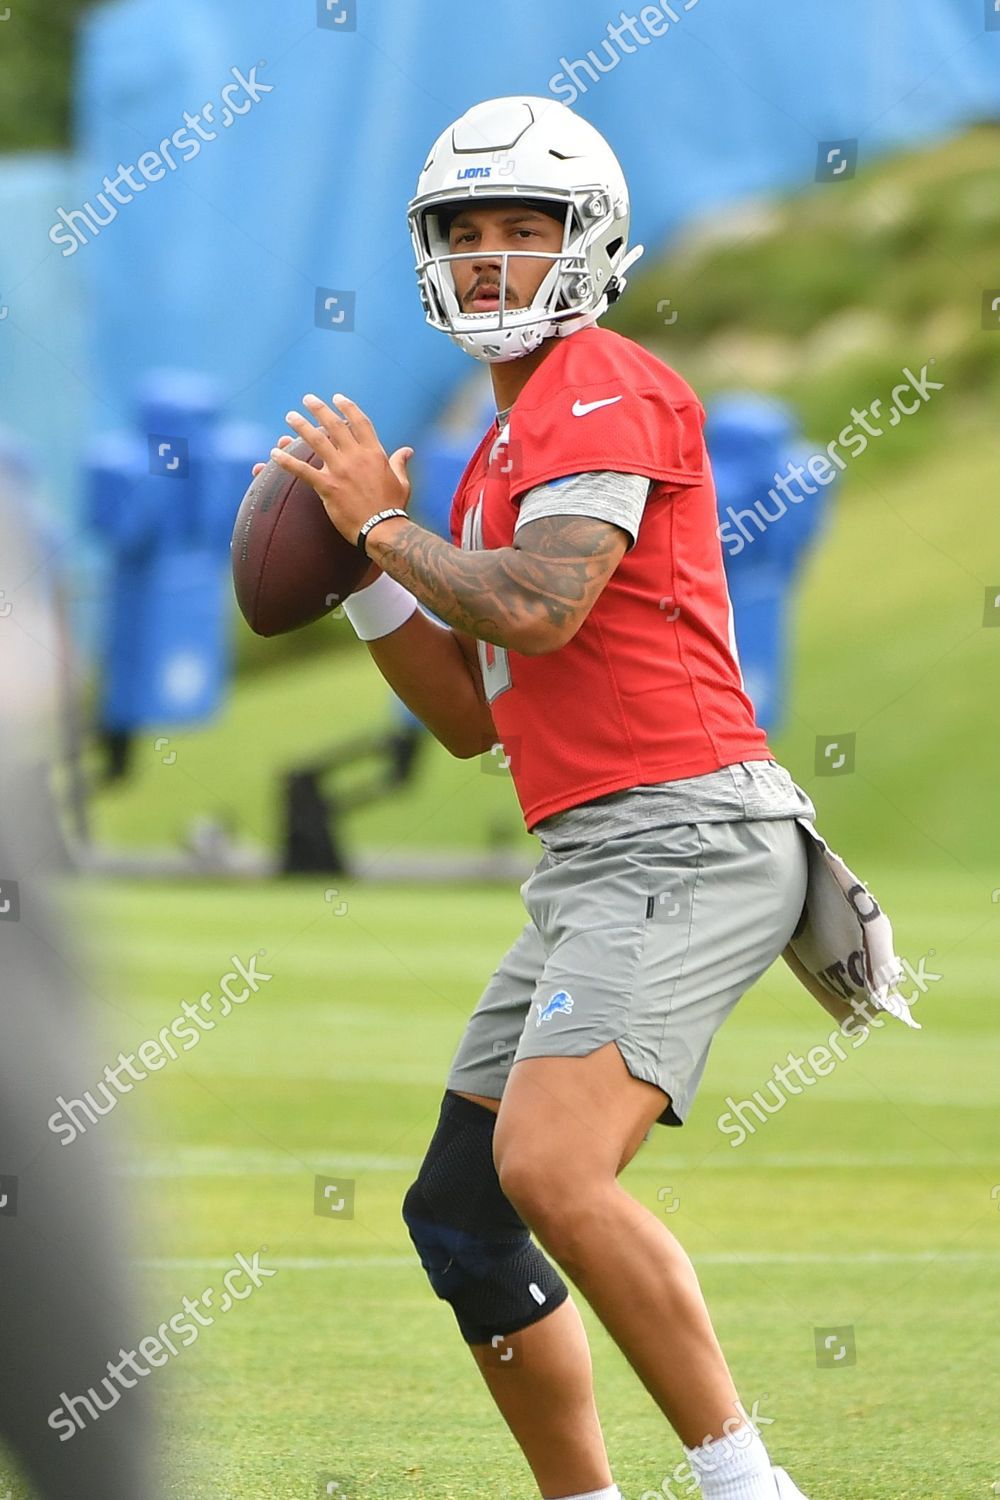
<point>380,608</point>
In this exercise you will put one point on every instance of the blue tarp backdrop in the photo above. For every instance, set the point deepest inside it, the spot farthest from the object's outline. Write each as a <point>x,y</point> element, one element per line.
<point>228,262</point>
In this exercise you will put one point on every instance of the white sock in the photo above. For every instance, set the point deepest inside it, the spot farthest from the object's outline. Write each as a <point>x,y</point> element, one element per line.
<point>611,1493</point>
<point>734,1468</point>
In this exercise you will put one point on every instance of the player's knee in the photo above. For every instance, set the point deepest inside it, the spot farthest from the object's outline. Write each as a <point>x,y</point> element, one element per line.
<point>473,1244</point>
<point>536,1177</point>
<point>564,1203</point>
<point>522,1182</point>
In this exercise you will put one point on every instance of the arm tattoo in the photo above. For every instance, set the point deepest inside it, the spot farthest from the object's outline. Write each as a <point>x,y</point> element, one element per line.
<point>549,579</point>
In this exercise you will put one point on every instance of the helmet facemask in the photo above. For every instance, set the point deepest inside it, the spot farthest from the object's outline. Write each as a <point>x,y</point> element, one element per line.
<point>565,299</point>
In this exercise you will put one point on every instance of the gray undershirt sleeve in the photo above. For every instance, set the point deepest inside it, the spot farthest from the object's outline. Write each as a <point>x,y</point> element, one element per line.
<point>604,494</point>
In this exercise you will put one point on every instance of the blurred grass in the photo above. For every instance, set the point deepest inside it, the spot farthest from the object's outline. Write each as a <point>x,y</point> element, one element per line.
<point>278,719</point>
<point>865,1202</point>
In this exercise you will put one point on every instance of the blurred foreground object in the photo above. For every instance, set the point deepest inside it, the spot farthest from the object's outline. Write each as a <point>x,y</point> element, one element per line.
<point>65,1304</point>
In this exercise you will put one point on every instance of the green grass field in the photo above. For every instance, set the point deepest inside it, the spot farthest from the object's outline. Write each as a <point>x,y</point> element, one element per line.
<point>866,1202</point>
<point>871,1201</point>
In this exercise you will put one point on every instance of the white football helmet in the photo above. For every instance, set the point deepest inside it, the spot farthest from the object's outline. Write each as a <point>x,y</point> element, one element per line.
<point>535,148</point>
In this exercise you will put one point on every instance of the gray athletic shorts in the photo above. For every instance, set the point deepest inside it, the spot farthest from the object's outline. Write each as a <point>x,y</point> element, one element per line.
<point>646,940</point>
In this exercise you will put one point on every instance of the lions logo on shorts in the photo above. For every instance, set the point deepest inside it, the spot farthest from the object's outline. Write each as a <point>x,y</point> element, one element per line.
<point>561,1000</point>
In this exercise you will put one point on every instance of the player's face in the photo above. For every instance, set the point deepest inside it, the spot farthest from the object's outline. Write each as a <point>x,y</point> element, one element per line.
<point>487,232</point>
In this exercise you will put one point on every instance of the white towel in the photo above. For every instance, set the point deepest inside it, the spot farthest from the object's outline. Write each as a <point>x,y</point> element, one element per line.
<point>844,938</point>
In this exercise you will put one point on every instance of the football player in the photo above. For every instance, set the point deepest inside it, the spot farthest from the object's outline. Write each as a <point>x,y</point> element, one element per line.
<point>587,637</point>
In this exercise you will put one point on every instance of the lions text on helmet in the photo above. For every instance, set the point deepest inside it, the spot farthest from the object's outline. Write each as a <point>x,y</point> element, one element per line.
<point>503,152</point>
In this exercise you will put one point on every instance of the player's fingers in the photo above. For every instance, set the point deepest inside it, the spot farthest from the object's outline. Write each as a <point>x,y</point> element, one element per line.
<point>335,427</point>
<point>316,437</point>
<point>296,466</point>
<point>283,442</point>
<point>362,426</point>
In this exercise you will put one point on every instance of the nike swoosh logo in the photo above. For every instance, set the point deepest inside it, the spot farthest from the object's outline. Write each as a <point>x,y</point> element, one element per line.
<point>580,409</point>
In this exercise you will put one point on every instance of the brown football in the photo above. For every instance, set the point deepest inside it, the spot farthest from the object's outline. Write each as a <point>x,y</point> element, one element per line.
<point>291,565</point>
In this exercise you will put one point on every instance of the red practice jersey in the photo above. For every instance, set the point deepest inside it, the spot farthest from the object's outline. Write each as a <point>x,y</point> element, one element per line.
<point>649,689</point>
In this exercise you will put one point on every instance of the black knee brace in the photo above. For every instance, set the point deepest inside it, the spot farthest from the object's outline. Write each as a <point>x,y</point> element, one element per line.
<point>473,1244</point>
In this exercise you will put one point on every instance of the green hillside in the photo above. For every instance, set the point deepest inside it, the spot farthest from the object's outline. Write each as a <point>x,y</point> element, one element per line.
<point>822,297</point>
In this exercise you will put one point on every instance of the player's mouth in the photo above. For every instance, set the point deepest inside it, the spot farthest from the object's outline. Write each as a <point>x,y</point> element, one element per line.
<point>487,299</point>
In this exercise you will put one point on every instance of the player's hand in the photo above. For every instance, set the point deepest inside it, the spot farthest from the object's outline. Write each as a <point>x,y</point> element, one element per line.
<point>357,477</point>
<point>283,442</point>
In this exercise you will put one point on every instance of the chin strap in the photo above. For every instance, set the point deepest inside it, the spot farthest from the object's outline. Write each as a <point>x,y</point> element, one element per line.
<point>619,282</point>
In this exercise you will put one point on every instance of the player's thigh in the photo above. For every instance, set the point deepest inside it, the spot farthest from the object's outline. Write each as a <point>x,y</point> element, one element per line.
<point>573,1117</point>
<point>482,1061</point>
<point>651,941</point>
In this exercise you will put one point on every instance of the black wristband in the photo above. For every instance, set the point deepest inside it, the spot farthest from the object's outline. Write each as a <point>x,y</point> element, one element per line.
<point>372,521</point>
